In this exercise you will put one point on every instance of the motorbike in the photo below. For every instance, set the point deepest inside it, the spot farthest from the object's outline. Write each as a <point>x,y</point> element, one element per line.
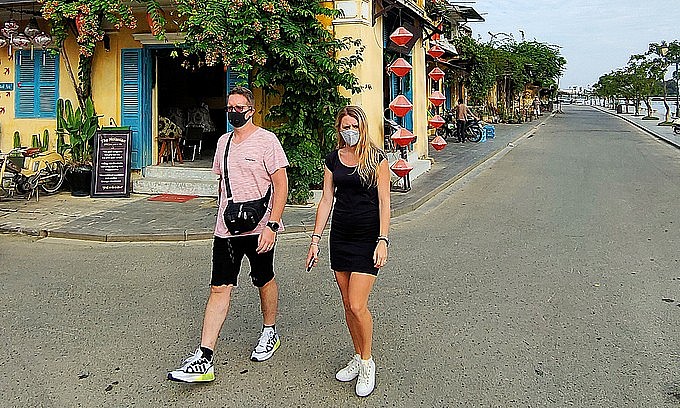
<point>25,171</point>
<point>676,126</point>
<point>472,131</point>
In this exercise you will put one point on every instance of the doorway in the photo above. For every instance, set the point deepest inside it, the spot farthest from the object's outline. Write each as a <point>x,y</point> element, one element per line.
<point>191,96</point>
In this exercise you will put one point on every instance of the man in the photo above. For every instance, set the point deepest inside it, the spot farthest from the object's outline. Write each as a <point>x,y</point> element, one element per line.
<point>256,162</point>
<point>463,114</point>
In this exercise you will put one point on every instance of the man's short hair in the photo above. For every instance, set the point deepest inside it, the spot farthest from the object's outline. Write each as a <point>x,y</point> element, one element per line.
<point>243,91</point>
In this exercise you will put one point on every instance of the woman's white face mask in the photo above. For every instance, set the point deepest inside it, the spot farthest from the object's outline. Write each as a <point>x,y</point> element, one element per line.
<point>350,136</point>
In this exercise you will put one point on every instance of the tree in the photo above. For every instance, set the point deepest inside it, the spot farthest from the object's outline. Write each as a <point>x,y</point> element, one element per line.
<point>288,53</point>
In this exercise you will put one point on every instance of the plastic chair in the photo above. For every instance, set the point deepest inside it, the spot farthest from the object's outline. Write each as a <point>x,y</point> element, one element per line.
<point>193,137</point>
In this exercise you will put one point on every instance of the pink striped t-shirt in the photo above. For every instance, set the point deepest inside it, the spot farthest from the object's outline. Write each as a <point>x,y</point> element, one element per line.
<point>251,164</point>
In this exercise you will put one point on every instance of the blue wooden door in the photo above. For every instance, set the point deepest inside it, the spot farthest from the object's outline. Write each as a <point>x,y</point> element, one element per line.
<point>134,98</point>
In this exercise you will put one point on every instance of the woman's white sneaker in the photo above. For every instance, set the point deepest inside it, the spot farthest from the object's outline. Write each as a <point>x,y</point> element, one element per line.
<point>351,371</point>
<point>366,381</point>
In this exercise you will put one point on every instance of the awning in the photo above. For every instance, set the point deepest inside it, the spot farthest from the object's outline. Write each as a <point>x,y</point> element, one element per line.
<point>456,14</point>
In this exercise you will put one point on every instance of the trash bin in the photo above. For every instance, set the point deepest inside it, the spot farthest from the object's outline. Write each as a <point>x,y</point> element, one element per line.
<point>489,131</point>
<point>619,108</point>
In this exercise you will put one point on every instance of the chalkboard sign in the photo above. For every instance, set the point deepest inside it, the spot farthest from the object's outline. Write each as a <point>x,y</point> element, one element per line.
<point>112,155</point>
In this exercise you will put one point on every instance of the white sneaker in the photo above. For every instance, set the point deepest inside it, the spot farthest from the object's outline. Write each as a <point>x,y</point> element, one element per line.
<point>268,343</point>
<point>196,368</point>
<point>351,371</point>
<point>366,381</point>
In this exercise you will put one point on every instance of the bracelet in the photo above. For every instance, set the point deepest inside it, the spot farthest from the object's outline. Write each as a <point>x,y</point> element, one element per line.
<point>317,236</point>
<point>316,244</point>
<point>383,238</point>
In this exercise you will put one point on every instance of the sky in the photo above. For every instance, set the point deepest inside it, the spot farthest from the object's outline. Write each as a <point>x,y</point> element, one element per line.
<point>595,36</point>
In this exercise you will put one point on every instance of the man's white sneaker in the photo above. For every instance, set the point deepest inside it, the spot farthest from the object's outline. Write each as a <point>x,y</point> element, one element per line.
<point>366,381</point>
<point>351,371</point>
<point>196,368</point>
<point>268,343</point>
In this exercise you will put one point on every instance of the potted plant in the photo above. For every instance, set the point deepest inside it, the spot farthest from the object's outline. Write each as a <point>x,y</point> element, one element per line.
<point>80,125</point>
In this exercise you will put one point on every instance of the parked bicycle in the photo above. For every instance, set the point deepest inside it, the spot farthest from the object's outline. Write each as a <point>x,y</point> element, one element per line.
<point>473,128</point>
<point>25,171</point>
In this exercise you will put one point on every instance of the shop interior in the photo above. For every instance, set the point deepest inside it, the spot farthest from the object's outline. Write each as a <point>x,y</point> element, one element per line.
<point>191,102</point>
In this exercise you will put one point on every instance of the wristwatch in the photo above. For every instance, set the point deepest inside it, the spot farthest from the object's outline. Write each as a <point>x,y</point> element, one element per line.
<point>273,225</point>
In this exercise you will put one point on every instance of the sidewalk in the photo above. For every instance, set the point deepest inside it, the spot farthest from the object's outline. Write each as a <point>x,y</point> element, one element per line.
<point>138,219</point>
<point>664,133</point>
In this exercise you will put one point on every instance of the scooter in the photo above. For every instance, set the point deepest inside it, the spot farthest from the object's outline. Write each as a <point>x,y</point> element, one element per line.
<point>676,126</point>
<point>448,129</point>
<point>23,171</point>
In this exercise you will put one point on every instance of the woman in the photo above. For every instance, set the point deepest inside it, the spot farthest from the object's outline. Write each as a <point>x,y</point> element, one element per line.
<point>357,177</point>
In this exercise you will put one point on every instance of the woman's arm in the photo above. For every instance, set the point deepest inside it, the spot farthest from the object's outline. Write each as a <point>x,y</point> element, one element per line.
<point>323,211</point>
<point>380,253</point>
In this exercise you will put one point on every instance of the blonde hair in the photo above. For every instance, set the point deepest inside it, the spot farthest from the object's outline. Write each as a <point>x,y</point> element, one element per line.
<point>368,154</point>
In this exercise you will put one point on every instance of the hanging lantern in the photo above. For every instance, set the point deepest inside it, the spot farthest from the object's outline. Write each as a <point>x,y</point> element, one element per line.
<point>437,98</point>
<point>438,143</point>
<point>436,74</point>
<point>401,36</point>
<point>400,67</point>
<point>401,106</point>
<point>11,27</point>
<point>436,121</point>
<point>435,52</point>
<point>20,41</point>
<point>401,168</point>
<point>42,40</point>
<point>403,137</point>
<point>437,36</point>
<point>32,28</point>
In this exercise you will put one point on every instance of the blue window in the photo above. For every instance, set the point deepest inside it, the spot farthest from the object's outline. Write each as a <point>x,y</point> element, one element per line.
<point>37,84</point>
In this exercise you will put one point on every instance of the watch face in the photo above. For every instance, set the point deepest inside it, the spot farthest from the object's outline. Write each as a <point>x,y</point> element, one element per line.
<point>273,225</point>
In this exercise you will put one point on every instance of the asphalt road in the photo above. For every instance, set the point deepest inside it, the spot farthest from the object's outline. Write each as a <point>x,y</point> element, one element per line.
<point>550,279</point>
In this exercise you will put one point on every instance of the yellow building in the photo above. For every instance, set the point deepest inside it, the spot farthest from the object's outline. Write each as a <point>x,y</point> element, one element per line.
<point>136,79</point>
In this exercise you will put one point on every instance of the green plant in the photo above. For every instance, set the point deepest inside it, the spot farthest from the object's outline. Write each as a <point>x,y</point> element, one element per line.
<point>292,56</point>
<point>80,125</point>
<point>35,141</point>
<point>46,140</point>
<point>17,140</point>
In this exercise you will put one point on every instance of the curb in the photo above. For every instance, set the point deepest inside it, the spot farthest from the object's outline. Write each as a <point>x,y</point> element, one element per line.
<point>644,129</point>
<point>197,236</point>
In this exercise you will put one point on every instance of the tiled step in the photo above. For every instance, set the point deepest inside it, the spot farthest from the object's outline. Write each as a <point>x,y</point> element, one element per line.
<point>176,180</point>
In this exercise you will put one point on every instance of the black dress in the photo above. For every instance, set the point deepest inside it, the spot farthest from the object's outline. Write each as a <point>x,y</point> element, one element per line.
<point>355,224</point>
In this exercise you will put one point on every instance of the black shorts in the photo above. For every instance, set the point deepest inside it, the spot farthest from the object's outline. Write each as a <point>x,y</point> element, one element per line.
<point>228,254</point>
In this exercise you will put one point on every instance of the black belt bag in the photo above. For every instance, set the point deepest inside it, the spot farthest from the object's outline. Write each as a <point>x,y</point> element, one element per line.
<point>244,216</point>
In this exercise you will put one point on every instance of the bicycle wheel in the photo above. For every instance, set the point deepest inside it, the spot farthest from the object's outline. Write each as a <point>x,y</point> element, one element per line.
<point>54,177</point>
<point>474,134</point>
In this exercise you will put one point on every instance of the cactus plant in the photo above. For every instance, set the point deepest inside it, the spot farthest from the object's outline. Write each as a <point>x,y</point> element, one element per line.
<point>35,141</point>
<point>45,146</point>
<point>17,139</point>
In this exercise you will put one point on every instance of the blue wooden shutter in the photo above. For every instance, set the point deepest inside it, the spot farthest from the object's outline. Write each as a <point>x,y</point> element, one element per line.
<point>48,80</point>
<point>26,85</point>
<point>37,85</point>
<point>131,101</point>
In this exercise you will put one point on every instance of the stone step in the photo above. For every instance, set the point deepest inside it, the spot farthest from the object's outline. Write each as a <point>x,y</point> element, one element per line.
<point>197,187</point>
<point>168,172</point>
<point>177,180</point>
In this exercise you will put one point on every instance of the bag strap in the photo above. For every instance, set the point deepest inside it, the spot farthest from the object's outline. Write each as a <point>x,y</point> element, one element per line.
<point>225,169</point>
